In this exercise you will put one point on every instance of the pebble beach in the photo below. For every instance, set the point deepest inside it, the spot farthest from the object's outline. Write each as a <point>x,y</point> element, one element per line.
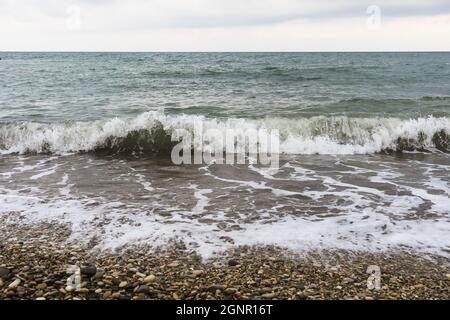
<point>147,175</point>
<point>34,261</point>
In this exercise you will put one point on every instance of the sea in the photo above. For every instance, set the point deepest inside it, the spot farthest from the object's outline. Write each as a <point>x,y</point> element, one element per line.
<point>364,150</point>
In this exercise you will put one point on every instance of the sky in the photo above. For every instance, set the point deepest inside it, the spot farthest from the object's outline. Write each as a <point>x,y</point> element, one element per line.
<point>224,25</point>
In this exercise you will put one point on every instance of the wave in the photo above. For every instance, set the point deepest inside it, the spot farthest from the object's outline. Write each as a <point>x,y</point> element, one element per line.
<point>152,132</point>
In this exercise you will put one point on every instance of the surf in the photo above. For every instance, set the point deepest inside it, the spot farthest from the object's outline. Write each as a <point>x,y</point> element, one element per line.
<point>153,132</point>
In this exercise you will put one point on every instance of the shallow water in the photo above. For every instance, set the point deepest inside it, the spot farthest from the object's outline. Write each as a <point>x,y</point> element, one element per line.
<point>364,202</point>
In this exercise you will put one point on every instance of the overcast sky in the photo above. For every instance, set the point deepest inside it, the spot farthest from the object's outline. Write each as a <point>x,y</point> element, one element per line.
<point>224,25</point>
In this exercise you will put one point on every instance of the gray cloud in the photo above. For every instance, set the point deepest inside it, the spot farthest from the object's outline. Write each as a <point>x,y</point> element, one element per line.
<point>136,14</point>
<point>223,25</point>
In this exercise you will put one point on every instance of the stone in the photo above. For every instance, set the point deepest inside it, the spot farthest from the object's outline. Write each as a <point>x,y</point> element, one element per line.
<point>143,289</point>
<point>302,296</point>
<point>333,269</point>
<point>268,295</point>
<point>173,264</point>
<point>40,298</point>
<point>98,275</point>
<point>347,280</point>
<point>232,262</point>
<point>300,287</point>
<point>123,284</point>
<point>312,286</point>
<point>149,278</point>
<point>14,284</point>
<point>88,271</point>
<point>41,286</point>
<point>4,272</point>
<point>230,290</point>
<point>197,272</point>
<point>216,287</point>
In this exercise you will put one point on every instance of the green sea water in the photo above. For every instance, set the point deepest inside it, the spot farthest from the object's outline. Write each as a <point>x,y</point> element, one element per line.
<point>51,87</point>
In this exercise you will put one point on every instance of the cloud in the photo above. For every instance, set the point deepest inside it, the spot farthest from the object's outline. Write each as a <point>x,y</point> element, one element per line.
<point>220,24</point>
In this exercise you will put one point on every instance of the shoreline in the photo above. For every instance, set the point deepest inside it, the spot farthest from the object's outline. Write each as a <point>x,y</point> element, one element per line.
<point>34,261</point>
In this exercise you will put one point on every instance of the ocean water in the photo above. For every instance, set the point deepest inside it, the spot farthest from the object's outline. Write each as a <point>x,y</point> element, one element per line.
<point>365,148</point>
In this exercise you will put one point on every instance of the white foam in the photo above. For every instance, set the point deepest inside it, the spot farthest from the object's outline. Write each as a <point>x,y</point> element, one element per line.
<point>374,233</point>
<point>65,186</point>
<point>202,199</point>
<point>45,172</point>
<point>316,135</point>
<point>147,185</point>
<point>367,229</point>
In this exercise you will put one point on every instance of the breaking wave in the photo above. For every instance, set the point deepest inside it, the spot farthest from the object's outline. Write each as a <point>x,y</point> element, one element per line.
<point>151,132</point>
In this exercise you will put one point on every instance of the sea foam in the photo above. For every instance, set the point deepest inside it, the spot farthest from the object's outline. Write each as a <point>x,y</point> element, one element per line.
<point>153,131</point>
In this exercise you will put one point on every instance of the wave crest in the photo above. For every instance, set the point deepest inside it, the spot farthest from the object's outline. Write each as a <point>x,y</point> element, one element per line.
<point>151,132</point>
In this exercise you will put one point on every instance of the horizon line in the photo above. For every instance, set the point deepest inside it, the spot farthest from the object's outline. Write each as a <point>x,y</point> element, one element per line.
<point>232,51</point>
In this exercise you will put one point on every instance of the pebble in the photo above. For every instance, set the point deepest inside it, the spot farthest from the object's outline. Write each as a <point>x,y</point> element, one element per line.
<point>4,272</point>
<point>299,286</point>
<point>41,286</point>
<point>197,272</point>
<point>98,275</point>
<point>230,290</point>
<point>347,280</point>
<point>149,278</point>
<point>69,288</point>
<point>302,296</point>
<point>216,287</point>
<point>263,273</point>
<point>40,298</point>
<point>173,264</point>
<point>88,271</point>
<point>143,289</point>
<point>232,262</point>
<point>14,284</point>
